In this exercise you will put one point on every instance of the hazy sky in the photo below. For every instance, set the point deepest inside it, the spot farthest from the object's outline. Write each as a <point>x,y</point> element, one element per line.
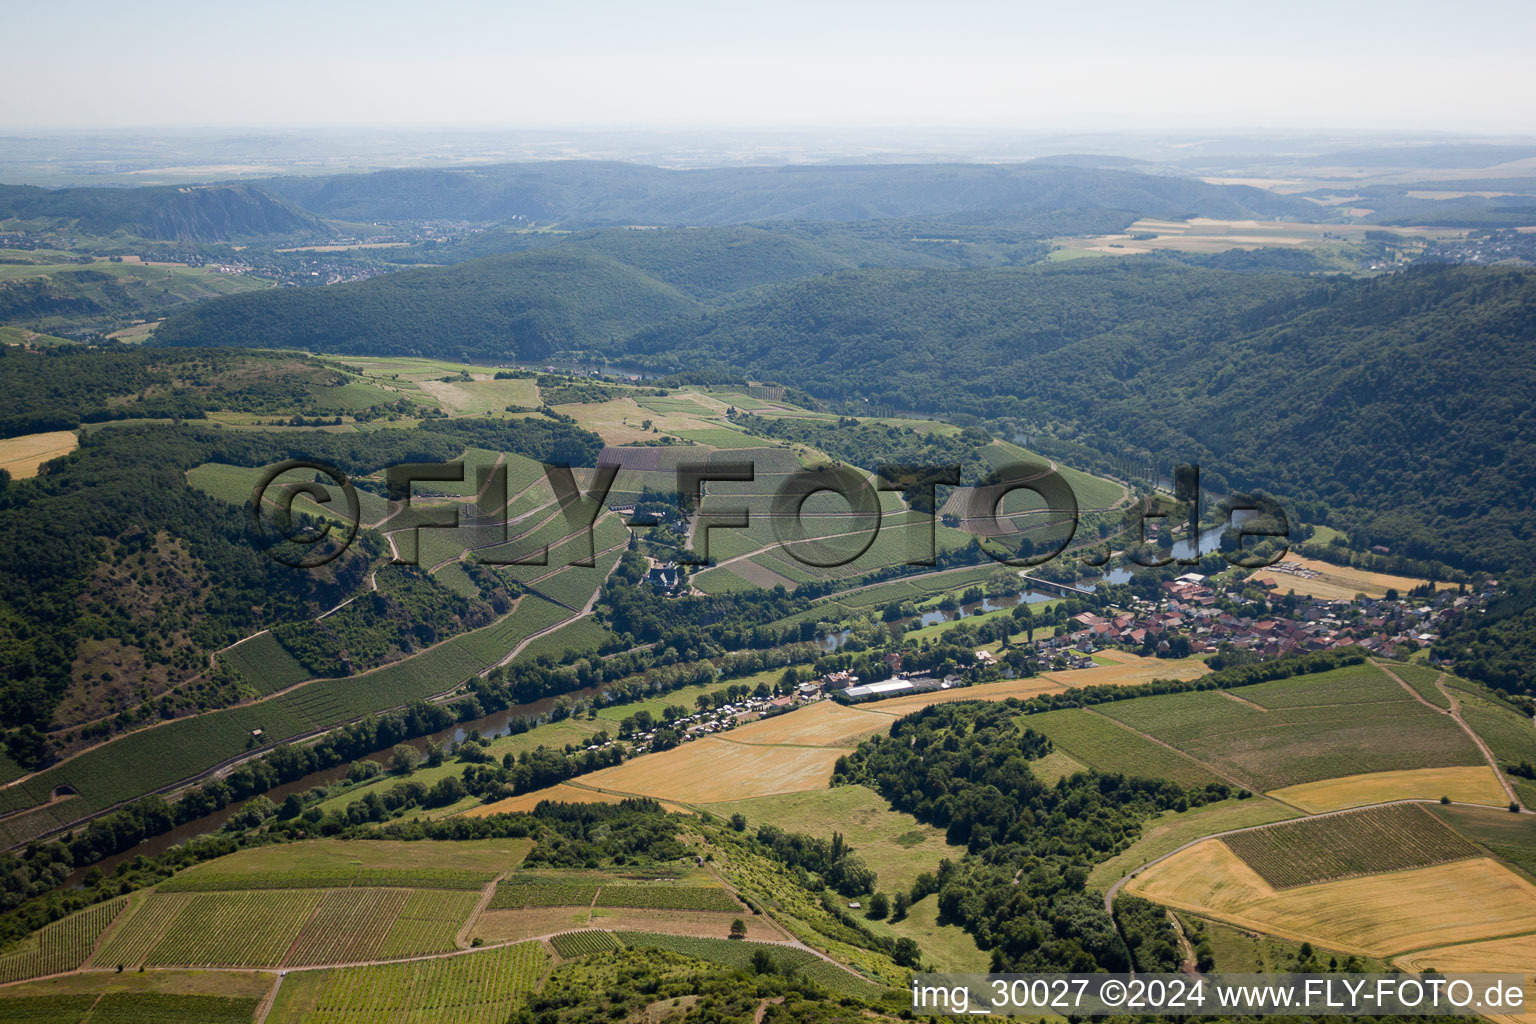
<point>1053,66</point>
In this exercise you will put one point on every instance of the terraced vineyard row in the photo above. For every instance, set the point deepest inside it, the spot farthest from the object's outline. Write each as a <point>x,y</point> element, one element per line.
<point>429,923</point>
<point>475,988</point>
<point>542,894</point>
<point>250,929</point>
<point>1374,840</point>
<point>349,926</point>
<point>128,1008</point>
<point>60,946</point>
<point>667,897</point>
<point>397,878</point>
<point>574,944</point>
<point>320,926</point>
<point>647,897</point>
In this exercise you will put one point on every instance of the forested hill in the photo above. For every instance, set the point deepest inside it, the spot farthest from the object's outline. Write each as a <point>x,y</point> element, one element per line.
<point>576,193</point>
<point>1399,401</point>
<point>213,213</point>
<point>526,306</point>
<point>1395,402</point>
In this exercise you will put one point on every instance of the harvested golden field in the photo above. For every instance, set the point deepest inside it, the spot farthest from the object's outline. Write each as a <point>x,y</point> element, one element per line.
<point>1471,784</point>
<point>1020,688</point>
<point>1376,915</point>
<point>1500,956</point>
<point>1334,582</point>
<point>1129,670</point>
<point>823,724</point>
<point>711,770</point>
<point>21,456</point>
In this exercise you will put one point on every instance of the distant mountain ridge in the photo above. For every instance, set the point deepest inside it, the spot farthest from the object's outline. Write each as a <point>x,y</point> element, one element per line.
<point>595,193</point>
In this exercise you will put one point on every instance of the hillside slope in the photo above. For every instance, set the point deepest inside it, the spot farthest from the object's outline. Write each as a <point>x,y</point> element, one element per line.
<point>523,306</point>
<point>209,213</point>
<point>1397,401</point>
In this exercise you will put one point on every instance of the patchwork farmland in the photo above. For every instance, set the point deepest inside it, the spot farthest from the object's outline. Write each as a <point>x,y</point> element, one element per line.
<point>1349,844</point>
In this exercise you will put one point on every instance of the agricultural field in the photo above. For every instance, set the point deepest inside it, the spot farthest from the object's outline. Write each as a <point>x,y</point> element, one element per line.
<point>1347,845</point>
<point>1421,679</point>
<point>823,724</point>
<point>429,923</point>
<point>226,929</point>
<point>22,456</point>
<point>479,987</point>
<point>575,639</point>
<point>574,944</point>
<point>348,926</point>
<point>1510,836</point>
<point>1003,689</point>
<point>129,1008</point>
<point>61,946</point>
<point>1172,829</point>
<point>483,396</point>
<point>1270,750</point>
<point>1353,684</point>
<point>263,664</point>
<point>1107,746</point>
<point>1472,784</point>
<point>1374,915</point>
<point>561,793</point>
<point>1510,735</point>
<point>469,864</point>
<point>1126,669</point>
<point>1502,956</point>
<point>513,893</point>
<point>668,897</point>
<point>711,769</point>
<point>1336,582</point>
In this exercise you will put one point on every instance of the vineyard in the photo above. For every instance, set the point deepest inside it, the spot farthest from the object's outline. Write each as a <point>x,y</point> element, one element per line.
<point>1347,845</point>
<point>542,894</point>
<point>154,1008</point>
<point>329,878</point>
<point>474,988</point>
<point>667,897</point>
<point>429,923</point>
<point>250,929</point>
<point>334,926</point>
<point>348,926</point>
<point>574,944</point>
<point>60,946</point>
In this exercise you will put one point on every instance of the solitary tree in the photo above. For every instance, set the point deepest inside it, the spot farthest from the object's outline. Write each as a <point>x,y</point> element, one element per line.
<point>739,929</point>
